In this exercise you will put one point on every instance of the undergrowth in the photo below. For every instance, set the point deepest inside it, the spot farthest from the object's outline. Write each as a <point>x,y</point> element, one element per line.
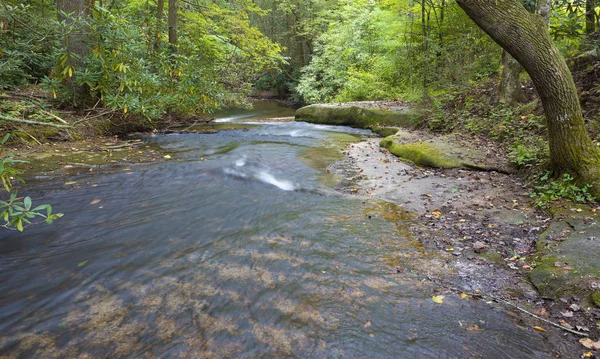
<point>520,130</point>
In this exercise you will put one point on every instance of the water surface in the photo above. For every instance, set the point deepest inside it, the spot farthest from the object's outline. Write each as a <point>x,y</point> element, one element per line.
<point>232,249</point>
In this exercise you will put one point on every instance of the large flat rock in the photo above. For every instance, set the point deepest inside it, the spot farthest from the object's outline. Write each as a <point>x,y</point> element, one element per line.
<point>448,151</point>
<point>568,256</point>
<point>360,114</point>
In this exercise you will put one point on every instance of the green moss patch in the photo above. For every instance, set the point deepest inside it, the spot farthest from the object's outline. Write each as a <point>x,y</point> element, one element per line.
<point>385,131</point>
<point>421,153</point>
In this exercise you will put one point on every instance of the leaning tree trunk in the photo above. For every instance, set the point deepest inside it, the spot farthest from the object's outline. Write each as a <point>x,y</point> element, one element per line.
<point>509,89</point>
<point>526,38</point>
<point>76,41</point>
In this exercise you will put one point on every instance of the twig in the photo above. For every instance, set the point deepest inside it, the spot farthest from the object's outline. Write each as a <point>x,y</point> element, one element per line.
<point>33,138</point>
<point>537,317</point>
<point>29,122</point>
<point>55,117</point>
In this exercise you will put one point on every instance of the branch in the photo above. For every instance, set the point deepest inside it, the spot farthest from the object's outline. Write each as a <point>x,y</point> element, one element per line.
<point>29,122</point>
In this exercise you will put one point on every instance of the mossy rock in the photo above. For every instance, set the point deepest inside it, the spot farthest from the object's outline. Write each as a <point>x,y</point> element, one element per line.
<point>421,153</point>
<point>358,116</point>
<point>567,260</point>
<point>596,298</point>
<point>385,131</point>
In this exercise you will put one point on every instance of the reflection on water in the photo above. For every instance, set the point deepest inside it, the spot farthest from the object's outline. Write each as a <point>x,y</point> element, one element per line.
<point>242,254</point>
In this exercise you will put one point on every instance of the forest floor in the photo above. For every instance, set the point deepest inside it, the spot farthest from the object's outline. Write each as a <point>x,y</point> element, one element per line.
<point>486,228</point>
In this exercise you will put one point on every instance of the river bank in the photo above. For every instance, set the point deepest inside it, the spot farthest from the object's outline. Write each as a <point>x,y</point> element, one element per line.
<point>486,228</point>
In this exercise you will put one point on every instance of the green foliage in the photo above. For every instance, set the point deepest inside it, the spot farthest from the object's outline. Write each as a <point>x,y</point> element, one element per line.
<point>28,44</point>
<point>18,212</point>
<point>217,57</point>
<point>551,190</point>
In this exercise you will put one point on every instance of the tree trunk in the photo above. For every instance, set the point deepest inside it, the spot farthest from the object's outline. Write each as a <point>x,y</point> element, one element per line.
<point>173,22</point>
<point>509,89</point>
<point>160,11</point>
<point>590,17</point>
<point>76,44</point>
<point>526,38</point>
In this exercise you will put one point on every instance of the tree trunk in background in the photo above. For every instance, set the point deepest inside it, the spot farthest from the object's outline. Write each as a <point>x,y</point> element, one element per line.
<point>173,22</point>
<point>160,13</point>
<point>76,45</point>
<point>509,89</point>
<point>590,17</point>
<point>526,38</point>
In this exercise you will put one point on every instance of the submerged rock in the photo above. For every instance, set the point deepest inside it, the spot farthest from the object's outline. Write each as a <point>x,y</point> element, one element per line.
<point>360,115</point>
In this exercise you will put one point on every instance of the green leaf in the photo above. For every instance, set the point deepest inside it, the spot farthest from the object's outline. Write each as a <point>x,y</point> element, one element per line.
<point>27,203</point>
<point>20,225</point>
<point>5,138</point>
<point>81,264</point>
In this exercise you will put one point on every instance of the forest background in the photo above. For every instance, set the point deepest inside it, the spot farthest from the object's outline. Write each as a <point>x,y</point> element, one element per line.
<point>123,65</point>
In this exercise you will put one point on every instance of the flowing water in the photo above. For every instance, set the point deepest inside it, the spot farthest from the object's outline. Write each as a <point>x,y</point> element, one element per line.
<point>233,249</point>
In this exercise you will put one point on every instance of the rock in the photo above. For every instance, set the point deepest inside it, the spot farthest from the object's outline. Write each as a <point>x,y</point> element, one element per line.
<point>596,298</point>
<point>359,115</point>
<point>479,247</point>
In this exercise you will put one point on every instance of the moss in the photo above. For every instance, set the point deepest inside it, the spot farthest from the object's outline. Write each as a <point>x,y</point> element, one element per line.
<point>596,298</point>
<point>493,257</point>
<point>357,116</point>
<point>385,131</point>
<point>420,153</point>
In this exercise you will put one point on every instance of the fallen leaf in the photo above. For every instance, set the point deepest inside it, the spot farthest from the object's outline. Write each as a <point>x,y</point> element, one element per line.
<point>167,157</point>
<point>567,314</point>
<point>473,327</point>
<point>465,296</point>
<point>449,249</point>
<point>590,344</point>
<point>70,182</point>
<point>96,201</point>
<point>540,312</point>
<point>439,299</point>
<point>565,324</point>
<point>81,264</point>
<point>588,355</point>
<point>539,329</point>
<point>428,195</point>
<point>94,185</point>
<point>367,324</point>
<point>436,213</point>
<point>126,169</point>
<point>372,335</point>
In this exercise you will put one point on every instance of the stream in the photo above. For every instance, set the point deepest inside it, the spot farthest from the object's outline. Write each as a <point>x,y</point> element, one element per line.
<point>233,249</point>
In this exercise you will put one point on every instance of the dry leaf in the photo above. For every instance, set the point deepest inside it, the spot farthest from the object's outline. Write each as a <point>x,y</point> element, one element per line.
<point>465,296</point>
<point>437,213</point>
<point>588,355</point>
<point>96,201</point>
<point>372,335</point>
<point>565,324</point>
<point>167,157</point>
<point>70,182</point>
<point>590,344</point>
<point>439,299</point>
<point>540,312</point>
<point>539,329</point>
<point>473,327</point>
<point>428,195</point>
<point>367,324</point>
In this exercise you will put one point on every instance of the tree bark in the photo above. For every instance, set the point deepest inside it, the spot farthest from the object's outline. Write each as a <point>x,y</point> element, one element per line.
<point>160,11</point>
<point>590,17</point>
<point>76,42</point>
<point>173,23</point>
<point>526,38</point>
<point>509,89</point>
